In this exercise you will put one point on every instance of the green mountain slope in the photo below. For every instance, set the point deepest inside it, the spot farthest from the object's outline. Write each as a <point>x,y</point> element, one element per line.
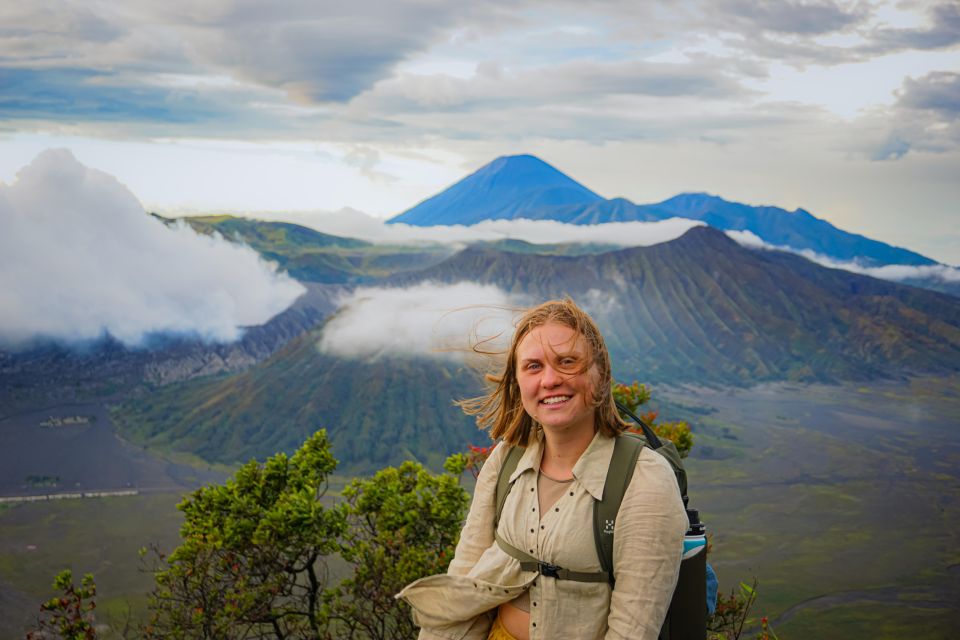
<point>377,413</point>
<point>271,236</point>
<point>312,256</point>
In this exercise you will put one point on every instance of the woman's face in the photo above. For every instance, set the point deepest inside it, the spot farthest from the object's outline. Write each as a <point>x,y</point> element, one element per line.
<point>553,389</point>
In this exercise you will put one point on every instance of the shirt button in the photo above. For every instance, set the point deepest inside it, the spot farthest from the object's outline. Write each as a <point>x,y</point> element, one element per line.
<point>531,530</point>
<point>541,526</point>
<point>534,604</point>
<point>571,493</point>
<point>534,509</point>
<point>557,509</point>
<point>531,488</point>
<point>534,623</point>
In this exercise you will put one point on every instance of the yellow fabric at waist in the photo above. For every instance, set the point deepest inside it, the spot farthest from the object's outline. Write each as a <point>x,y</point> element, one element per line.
<point>498,632</point>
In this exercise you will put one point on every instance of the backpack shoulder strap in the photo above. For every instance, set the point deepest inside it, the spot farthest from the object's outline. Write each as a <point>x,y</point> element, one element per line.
<point>626,450</point>
<point>665,448</point>
<point>503,480</point>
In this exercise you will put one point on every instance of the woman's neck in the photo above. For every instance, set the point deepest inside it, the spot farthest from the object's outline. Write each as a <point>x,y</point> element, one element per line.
<point>561,452</point>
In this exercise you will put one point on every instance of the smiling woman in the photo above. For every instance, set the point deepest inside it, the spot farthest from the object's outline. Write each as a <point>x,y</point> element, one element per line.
<point>527,565</point>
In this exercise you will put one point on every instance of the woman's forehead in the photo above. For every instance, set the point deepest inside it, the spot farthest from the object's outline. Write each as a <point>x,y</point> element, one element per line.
<point>551,337</point>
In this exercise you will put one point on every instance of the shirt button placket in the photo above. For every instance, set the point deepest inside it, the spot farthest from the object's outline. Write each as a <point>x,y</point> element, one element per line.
<point>534,612</point>
<point>534,520</point>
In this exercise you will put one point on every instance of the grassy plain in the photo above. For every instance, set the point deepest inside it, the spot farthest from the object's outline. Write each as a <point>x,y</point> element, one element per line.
<point>97,535</point>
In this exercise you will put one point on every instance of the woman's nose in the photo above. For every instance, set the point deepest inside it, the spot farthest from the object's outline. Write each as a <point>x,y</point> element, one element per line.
<point>550,378</point>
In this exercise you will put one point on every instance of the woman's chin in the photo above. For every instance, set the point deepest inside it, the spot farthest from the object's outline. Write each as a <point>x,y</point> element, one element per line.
<point>563,423</point>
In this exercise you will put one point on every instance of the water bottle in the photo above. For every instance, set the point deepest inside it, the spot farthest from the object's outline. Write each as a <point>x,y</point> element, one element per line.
<point>687,617</point>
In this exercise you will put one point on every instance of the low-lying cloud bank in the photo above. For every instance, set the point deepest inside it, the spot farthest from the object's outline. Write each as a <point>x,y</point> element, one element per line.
<point>427,320</point>
<point>355,224</point>
<point>894,272</point>
<point>79,258</point>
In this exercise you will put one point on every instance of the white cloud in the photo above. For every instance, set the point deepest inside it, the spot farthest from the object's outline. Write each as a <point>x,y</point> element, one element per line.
<point>79,257</point>
<point>599,302</point>
<point>752,240</point>
<point>355,224</point>
<point>894,272</point>
<point>427,320</point>
<point>899,272</point>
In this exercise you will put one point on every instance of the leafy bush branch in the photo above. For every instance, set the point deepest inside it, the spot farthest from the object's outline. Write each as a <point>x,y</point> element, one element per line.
<point>70,614</point>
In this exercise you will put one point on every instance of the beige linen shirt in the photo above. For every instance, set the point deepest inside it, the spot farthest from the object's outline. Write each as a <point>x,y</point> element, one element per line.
<point>648,544</point>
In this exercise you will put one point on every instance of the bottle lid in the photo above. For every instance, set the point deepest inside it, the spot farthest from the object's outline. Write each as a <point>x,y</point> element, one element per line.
<point>697,528</point>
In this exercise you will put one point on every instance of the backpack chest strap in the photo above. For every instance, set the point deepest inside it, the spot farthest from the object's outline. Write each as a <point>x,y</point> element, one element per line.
<point>529,563</point>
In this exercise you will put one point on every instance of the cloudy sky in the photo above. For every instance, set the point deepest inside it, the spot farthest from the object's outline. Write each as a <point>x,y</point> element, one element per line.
<point>848,109</point>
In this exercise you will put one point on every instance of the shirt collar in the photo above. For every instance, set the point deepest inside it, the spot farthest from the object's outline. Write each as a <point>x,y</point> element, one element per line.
<point>530,458</point>
<point>590,470</point>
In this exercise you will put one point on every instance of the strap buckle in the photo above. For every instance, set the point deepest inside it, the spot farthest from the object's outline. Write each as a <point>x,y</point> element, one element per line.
<point>548,570</point>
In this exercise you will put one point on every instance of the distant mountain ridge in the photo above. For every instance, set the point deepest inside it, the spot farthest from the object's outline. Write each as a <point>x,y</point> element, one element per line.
<point>524,186</point>
<point>704,307</point>
<point>798,229</point>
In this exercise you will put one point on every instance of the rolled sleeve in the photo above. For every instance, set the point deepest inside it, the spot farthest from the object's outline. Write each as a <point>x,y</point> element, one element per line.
<point>648,547</point>
<point>477,534</point>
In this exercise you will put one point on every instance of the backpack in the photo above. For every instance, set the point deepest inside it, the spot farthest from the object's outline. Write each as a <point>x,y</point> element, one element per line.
<point>626,450</point>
